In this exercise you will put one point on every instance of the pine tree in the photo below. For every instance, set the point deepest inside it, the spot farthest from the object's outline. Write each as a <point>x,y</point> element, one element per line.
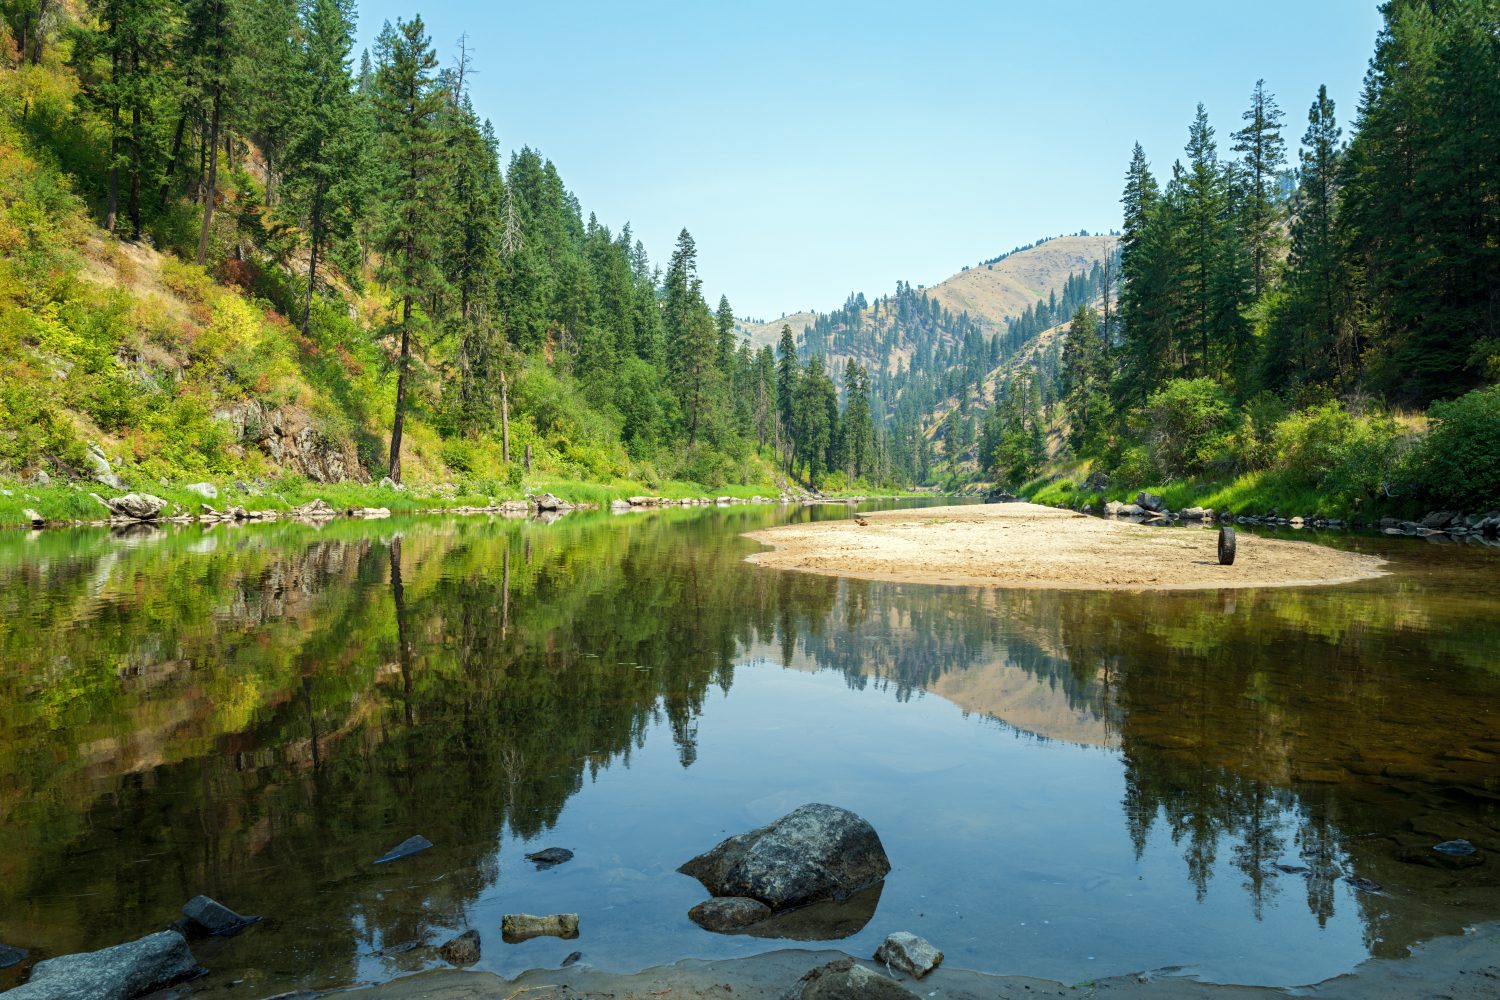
<point>408,100</point>
<point>326,151</point>
<point>1314,275</point>
<point>788,374</point>
<point>1261,145</point>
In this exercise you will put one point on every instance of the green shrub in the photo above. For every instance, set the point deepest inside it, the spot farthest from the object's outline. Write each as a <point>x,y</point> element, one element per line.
<point>1458,463</point>
<point>1187,423</point>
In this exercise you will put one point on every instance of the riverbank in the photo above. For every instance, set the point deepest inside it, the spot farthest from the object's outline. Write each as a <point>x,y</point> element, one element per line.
<point>1027,545</point>
<point>73,503</point>
<point>1461,968</point>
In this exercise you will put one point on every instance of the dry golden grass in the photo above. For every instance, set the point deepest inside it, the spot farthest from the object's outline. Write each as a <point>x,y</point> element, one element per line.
<point>1006,289</point>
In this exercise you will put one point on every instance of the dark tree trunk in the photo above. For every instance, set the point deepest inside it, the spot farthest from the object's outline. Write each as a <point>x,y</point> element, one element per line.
<point>402,367</point>
<point>178,135</point>
<point>312,260</point>
<point>403,641</point>
<point>504,418</point>
<point>213,176</point>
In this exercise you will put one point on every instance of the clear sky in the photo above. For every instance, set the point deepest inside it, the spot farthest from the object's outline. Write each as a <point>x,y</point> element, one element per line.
<point>817,148</point>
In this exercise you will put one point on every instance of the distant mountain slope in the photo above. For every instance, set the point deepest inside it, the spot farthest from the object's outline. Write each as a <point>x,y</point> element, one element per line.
<point>1004,289</point>
<point>990,293</point>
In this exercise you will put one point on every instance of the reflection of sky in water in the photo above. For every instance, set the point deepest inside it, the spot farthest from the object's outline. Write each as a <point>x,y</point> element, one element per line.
<point>1009,852</point>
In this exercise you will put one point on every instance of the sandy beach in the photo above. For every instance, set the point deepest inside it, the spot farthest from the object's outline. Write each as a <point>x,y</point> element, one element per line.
<point>1026,545</point>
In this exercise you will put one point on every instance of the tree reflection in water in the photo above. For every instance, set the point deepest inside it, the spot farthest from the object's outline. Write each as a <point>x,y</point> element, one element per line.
<point>258,714</point>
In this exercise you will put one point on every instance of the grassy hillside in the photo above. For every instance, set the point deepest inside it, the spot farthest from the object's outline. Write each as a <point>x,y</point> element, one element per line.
<point>998,291</point>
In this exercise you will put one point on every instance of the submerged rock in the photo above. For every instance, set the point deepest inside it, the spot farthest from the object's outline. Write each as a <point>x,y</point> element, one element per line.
<point>728,914</point>
<point>405,849</point>
<point>517,927</point>
<point>825,920</point>
<point>10,956</point>
<point>813,853</point>
<point>550,857</point>
<point>905,952</point>
<point>572,959</point>
<point>461,950</point>
<point>122,972</point>
<point>843,980</point>
<point>206,916</point>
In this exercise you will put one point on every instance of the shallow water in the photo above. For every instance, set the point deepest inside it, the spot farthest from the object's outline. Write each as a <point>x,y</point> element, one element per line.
<point>1069,784</point>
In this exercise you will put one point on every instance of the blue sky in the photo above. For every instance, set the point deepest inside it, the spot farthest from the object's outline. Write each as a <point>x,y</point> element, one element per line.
<point>815,149</point>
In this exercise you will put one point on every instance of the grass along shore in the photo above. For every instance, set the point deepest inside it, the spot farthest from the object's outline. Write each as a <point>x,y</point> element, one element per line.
<point>72,502</point>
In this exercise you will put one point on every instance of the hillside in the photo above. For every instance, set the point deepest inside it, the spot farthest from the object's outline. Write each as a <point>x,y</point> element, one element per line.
<point>990,293</point>
<point>999,291</point>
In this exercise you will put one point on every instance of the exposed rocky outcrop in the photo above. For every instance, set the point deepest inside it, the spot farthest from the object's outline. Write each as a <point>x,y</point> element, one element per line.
<point>288,437</point>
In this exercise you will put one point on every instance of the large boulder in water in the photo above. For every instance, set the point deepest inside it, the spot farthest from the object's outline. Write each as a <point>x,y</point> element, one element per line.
<point>815,852</point>
<point>123,972</point>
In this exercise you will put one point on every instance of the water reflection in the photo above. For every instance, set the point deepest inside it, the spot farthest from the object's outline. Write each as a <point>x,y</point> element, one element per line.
<point>258,714</point>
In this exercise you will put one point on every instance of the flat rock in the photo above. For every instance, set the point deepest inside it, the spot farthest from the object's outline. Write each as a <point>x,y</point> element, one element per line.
<point>461,950</point>
<point>123,972</point>
<point>844,980</point>
<point>728,914</point>
<point>551,857</point>
<point>815,852</point>
<point>208,916</point>
<point>517,927</point>
<point>405,849</point>
<point>905,952</point>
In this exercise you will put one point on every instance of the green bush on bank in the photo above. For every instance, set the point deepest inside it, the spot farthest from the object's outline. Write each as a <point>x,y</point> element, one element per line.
<point>1328,458</point>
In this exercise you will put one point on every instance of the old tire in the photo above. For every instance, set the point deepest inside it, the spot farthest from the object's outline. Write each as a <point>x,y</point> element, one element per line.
<point>1226,546</point>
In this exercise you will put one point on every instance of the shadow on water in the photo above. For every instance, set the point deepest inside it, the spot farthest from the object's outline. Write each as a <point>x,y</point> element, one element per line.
<point>258,714</point>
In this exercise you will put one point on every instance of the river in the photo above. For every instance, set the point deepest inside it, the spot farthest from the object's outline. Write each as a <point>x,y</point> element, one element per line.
<point>1243,784</point>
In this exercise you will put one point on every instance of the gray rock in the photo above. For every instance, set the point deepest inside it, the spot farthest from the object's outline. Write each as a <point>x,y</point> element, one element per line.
<point>405,849</point>
<point>122,972</point>
<point>1096,482</point>
<point>517,927</point>
<point>551,857</point>
<point>314,508</point>
<point>33,518</point>
<point>1150,501</point>
<point>843,980</point>
<point>100,466</point>
<point>208,916</point>
<point>207,491</point>
<point>728,914</point>
<point>41,478</point>
<point>546,501</point>
<point>905,952</point>
<point>572,959</point>
<point>1439,519</point>
<point>815,852</point>
<point>136,506</point>
<point>461,950</point>
<point>10,956</point>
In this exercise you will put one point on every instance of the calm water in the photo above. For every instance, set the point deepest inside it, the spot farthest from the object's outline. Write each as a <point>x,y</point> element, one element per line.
<point>1069,784</point>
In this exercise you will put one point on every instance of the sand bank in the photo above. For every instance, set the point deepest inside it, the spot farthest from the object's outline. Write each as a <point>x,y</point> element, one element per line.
<point>1026,545</point>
